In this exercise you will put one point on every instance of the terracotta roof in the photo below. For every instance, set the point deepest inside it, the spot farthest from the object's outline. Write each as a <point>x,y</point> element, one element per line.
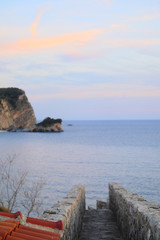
<point>13,229</point>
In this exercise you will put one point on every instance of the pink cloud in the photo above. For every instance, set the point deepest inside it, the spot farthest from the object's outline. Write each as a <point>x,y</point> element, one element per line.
<point>125,43</point>
<point>73,55</point>
<point>144,17</point>
<point>120,26</point>
<point>99,91</point>
<point>36,22</point>
<point>29,45</point>
<point>107,2</point>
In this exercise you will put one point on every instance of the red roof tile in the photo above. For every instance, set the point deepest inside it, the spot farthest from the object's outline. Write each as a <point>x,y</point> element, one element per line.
<point>6,229</point>
<point>39,231</point>
<point>12,230</point>
<point>13,221</point>
<point>8,224</point>
<point>50,224</point>
<point>35,234</point>
<point>13,238</point>
<point>59,225</point>
<point>25,236</point>
<point>11,215</point>
<point>3,233</point>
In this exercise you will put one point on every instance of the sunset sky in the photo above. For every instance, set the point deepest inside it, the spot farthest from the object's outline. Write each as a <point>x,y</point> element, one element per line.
<point>83,59</point>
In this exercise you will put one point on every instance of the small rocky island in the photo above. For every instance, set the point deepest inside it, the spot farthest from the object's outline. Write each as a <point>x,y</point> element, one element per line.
<point>49,125</point>
<point>17,114</point>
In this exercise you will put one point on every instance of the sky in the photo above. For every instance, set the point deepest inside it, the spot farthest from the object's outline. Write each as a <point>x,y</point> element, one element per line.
<point>83,59</point>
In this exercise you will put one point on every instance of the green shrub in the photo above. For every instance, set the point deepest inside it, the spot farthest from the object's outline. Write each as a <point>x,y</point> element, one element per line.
<point>47,122</point>
<point>11,95</point>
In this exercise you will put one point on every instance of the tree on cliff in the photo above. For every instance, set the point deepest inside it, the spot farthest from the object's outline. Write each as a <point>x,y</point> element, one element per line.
<point>14,189</point>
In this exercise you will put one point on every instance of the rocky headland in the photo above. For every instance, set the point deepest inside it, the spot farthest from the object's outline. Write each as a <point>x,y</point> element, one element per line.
<point>48,125</point>
<point>17,114</point>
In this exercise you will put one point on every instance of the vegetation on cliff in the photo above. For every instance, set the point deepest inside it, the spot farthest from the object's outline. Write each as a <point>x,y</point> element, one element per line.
<point>11,95</point>
<point>48,122</point>
<point>49,125</point>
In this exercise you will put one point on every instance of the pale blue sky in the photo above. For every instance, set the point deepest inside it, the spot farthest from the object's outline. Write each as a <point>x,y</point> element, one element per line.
<point>88,59</point>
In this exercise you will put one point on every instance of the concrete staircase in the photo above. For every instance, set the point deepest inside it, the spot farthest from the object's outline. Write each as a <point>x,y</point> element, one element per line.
<point>99,224</point>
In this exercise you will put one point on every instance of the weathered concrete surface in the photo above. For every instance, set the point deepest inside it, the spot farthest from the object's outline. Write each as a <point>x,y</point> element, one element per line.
<point>102,204</point>
<point>137,218</point>
<point>99,224</point>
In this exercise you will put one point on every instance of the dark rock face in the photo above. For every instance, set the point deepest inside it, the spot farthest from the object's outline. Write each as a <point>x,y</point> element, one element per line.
<point>48,122</point>
<point>15,110</point>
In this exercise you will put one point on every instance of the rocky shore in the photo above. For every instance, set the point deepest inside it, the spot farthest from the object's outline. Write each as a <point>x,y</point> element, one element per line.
<point>47,125</point>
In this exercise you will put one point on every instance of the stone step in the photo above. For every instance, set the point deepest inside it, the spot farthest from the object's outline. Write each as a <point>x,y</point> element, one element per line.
<point>99,224</point>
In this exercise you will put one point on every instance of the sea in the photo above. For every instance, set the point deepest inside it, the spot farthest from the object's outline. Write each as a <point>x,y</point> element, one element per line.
<point>90,153</point>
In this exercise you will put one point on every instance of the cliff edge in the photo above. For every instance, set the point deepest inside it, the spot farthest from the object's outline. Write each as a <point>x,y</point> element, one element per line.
<point>16,114</point>
<point>15,109</point>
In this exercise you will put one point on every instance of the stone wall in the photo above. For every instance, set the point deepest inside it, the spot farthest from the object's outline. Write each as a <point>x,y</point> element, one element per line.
<point>70,210</point>
<point>137,218</point>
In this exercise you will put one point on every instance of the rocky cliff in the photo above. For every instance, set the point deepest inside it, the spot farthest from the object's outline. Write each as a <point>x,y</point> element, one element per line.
<point>16,114</point>
<point>15,110</point>
<point>49,125</point>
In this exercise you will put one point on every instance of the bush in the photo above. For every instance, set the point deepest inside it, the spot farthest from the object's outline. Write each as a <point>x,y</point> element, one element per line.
<point>11,95</point>
<point>48,122</point>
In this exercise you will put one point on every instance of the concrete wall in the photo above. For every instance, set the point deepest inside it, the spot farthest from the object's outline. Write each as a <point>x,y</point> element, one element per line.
<point>70,210</point>
<point>137,218</point>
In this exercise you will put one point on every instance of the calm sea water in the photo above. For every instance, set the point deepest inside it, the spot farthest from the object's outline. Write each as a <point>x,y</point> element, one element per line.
<point>92,153</point>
